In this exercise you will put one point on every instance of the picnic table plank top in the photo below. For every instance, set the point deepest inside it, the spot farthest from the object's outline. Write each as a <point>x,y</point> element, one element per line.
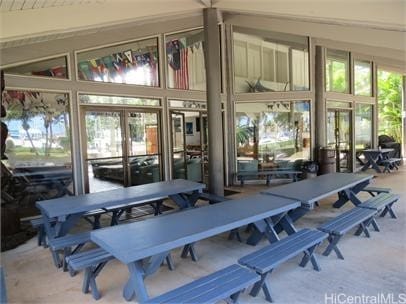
<point>138,240</point>
<point>142,193</point>
<point>383,150</point>
<point>313,189</point>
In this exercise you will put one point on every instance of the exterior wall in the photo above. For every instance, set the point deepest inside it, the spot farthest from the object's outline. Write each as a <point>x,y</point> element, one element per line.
<point>361,41</point>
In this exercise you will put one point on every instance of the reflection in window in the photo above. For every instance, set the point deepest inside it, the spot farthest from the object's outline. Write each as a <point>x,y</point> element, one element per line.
<point>362,78</point>
<point>274,134</point>
<point>337,71</point>
<point>37,161</point>
<point>55,67</point>
<point>131,63</point>
<point>267,61</point>
<point>102,99</point>
<point>185,58</point>
<point>363,130</point>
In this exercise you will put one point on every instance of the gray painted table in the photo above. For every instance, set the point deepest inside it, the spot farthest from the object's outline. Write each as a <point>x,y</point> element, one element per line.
<point>310,191</point>
<point>373,156</point>
<point>133,243</point>
<point>67,210</point>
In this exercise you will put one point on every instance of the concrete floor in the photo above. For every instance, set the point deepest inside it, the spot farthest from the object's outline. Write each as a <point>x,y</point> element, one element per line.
<point>374,267</point>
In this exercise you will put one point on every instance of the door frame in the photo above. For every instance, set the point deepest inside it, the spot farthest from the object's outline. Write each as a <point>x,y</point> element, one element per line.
<point>125,133</point>
<point>350,153</point>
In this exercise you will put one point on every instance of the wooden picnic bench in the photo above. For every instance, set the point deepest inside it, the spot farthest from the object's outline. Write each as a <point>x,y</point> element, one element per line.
<point>382,203</point>
<point>268,258</point>
<point>341,224</point>
<point>376,190</point>
<point>310,191</point>
<point>155,237</point>
<point>242,176</point>
<point>60,215</point>
<point>390,164</point>
<point>225,284</point>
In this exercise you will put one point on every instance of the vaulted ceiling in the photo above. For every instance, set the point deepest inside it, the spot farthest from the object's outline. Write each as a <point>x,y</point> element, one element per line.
<point>29,21</point>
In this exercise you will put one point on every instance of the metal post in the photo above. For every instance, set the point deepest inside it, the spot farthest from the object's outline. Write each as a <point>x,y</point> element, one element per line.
<point>213,85</point>
<point>320,103</point>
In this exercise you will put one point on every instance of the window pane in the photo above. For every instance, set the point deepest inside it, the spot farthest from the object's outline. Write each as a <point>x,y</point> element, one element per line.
<point>363,130</point>
<point>362,78</point>
<point>185,58</point>
<point>130,63</point>
<point>84,98</point>
<point>55,68</point>
<point>37,151</point>
<point>339,104</point>
<point>267,61</point>
<point>187,104</point>
<point>274,134</point>
<point>337,71</point>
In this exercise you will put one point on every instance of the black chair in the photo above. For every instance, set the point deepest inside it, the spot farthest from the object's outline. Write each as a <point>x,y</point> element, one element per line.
<point>386,141</point>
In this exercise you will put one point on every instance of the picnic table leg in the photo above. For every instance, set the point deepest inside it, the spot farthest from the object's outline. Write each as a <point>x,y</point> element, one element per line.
<point>189,249</point>
<point>287,224</point>
<point>257,233</point>
<point>333,240</point>
<point>135,285</point>
<point>309,256</point>
<point>388,208</point>
<point>184,201</point>
<point>155,262</point>
<point>349,195</point>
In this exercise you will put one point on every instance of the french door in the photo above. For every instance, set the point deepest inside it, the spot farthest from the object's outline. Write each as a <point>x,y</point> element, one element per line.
<point>189,145</point>
<point>121,147</point>
<point>339,138</point>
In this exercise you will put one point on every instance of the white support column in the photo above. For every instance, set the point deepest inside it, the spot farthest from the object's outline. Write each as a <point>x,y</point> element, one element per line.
<point>213,85</point>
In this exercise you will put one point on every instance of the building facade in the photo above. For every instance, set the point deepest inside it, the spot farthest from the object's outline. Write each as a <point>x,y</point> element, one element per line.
<point>127,105</point>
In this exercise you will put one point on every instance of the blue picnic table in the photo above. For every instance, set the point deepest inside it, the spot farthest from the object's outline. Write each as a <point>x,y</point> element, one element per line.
<point>155,237</point>
<point>373,157</point>
<point>69,209</point>
<point>310,191</point>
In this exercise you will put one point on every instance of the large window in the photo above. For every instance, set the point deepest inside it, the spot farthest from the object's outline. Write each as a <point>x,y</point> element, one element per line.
<point>185,61</point>
<point>36,162</point>
<point>130,63</point>
<point>337,71</point>
<point>54,67</point>
<point>273,134</point>
<point>267,61</point>
<point>362,78</point>
<point>390,105</point>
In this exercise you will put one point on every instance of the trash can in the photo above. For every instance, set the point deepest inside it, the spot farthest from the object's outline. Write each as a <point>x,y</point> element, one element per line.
<point>310,169</point>
<point>327,160</point>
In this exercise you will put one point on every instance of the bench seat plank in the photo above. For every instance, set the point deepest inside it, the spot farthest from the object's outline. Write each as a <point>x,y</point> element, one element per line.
<point>371,190</point>
<point>274,254</point>
<point>209,289</point>
<point>268,258</point>
<point>243,175</point>
<point>69,240</point>
<point>382,201</point>
<point>92,261</point>
<point>346,221</point>
<point>341,224</point>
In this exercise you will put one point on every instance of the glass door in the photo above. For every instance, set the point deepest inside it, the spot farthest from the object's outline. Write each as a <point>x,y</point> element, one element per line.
<point>339,138</point>
<point>143,147</point>
<point>189,145</point>
<point>122,148</point>
<point>104,159</point>
<point>179,166</point>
